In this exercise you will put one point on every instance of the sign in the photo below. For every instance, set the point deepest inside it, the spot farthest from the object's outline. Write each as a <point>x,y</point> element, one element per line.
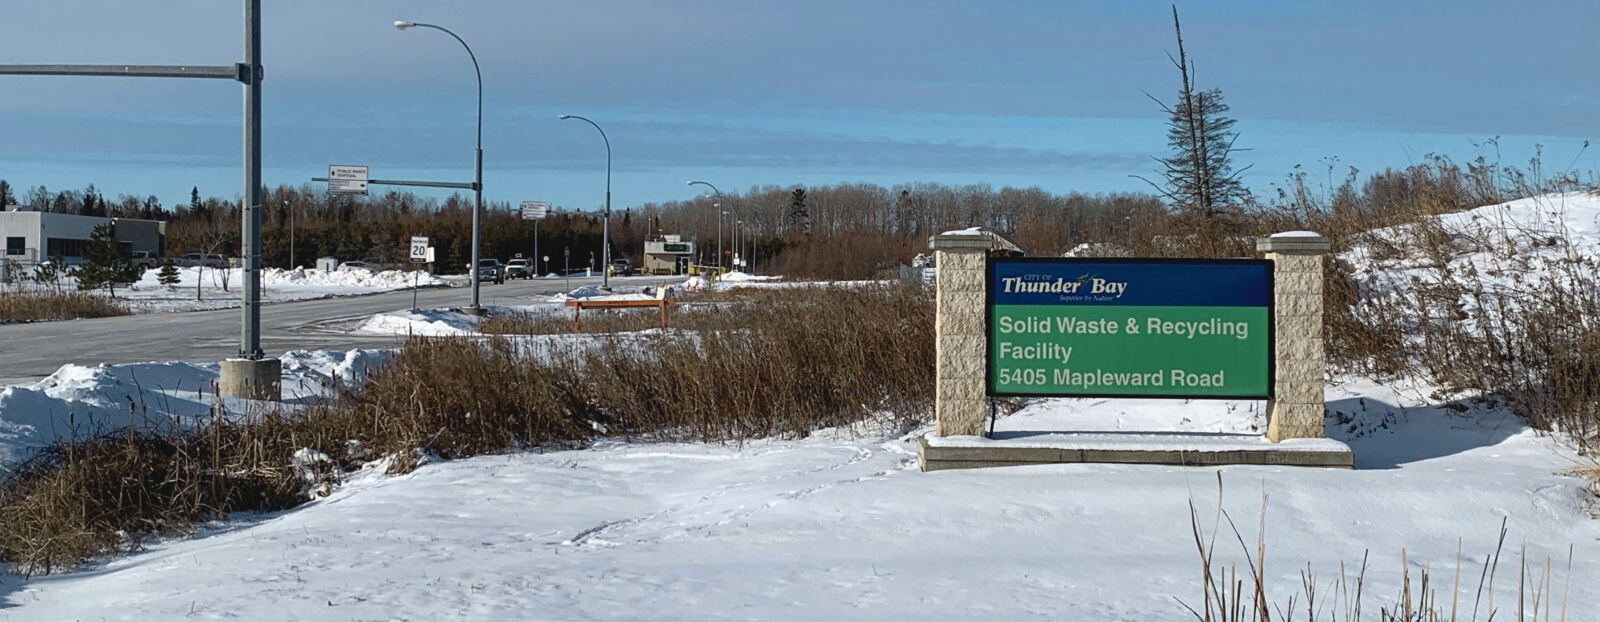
<point>347,179</point>
<point>430,254</point>
<point>675,247</point>
<point>535,210</point>
<point>1090,327</point>
<point>419,249</point>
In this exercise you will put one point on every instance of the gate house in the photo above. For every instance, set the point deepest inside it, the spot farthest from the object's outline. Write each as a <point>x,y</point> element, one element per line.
<point>669,254</point>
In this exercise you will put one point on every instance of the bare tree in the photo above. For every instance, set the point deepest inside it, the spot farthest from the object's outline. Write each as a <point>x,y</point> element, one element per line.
<point>213,240</point>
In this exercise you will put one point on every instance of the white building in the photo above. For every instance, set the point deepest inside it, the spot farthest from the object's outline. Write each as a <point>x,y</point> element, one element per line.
<point>28,237</point>
<point>669,254</point>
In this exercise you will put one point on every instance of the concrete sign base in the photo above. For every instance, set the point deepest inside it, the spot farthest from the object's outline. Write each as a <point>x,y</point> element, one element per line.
<point>938,453</point>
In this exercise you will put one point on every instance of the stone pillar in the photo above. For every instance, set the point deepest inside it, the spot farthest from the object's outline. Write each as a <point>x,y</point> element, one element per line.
<point>1296,410</point>
<point>959,328</point>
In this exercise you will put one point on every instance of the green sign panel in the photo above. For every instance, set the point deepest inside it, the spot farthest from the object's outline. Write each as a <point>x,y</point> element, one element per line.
<point>1185,328</point>
<point>673,247</point>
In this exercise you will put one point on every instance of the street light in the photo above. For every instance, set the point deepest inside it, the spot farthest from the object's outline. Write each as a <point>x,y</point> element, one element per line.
<point>717,193</point>
<point>291,232</point>
<point>477,165</point>
<point>605,227</point>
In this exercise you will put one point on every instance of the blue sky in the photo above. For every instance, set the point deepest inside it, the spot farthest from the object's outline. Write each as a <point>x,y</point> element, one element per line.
<point>746,92</point>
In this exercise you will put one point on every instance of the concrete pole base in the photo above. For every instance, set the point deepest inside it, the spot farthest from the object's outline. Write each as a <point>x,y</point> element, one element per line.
<point>252,379</point>
<point>474,311</point>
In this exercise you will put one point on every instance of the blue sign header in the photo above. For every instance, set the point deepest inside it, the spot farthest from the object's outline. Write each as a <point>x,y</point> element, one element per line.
<point>1130,282</point>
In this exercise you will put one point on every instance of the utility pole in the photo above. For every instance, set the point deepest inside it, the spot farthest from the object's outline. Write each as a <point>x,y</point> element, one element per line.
<point>252,375</point>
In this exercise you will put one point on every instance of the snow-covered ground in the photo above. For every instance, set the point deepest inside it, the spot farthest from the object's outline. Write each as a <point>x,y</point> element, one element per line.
<point>79,401</point>
<point>203,288</point>
<point>841,526</point>
<point>420,322</point>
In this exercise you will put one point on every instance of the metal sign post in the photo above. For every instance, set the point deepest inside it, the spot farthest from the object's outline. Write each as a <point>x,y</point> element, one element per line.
<point>419,255</point>
<point>535,211</point>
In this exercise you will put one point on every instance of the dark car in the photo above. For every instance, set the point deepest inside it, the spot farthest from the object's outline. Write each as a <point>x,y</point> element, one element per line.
<point>490,270</point>
<point>621,267</point>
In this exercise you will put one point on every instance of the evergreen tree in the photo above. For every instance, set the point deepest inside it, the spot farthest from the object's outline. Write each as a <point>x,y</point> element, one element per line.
<point>93,204</point>
<point>168,275</point>
<point>197,208</point>
<point>1199,174</point>
<point>799,217</point>
<point>6,197</point>
<point>103,263</point>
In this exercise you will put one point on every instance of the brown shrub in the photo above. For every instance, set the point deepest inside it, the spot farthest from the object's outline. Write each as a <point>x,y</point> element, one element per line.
<point>810,359</point>
<point>45,306</point>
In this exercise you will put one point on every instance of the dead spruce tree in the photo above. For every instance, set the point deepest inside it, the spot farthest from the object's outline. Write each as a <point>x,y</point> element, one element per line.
<point>1200,182</point>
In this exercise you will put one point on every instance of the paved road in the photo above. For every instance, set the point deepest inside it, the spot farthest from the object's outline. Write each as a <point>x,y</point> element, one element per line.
<point>29,352</point>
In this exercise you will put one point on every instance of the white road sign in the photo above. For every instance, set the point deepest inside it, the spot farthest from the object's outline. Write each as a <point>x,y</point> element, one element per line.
<point>347,179</point>
<point>535,210</point>
<point>419,249</point>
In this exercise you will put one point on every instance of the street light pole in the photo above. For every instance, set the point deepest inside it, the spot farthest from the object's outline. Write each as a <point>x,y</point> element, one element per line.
<point>605,227</point>
<point>477,161</point>
<point>291,232</point>
<point>718,205</point>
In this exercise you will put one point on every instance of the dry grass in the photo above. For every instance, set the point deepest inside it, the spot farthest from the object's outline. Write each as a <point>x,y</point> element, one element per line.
<point>1228,595</point>
<point>47,306</point>
<point>1519,329</point>
<point>815,359</point>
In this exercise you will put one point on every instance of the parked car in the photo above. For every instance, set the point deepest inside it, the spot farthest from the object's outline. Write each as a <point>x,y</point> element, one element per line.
<point>355,265</point>
<point>490,270</point>
<point>519,269</point>
<point>621,267</point>
<point>209,260</point>
<point>144,260</point>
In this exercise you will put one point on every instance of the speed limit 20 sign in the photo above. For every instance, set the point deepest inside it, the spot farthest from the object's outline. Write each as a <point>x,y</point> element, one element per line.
<point>419,249</point>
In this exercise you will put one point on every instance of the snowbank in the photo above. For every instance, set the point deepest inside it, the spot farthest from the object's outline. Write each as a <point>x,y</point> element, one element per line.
<point>202,288</point>
<point>79,401</point>
<point>356,280</point>
<point>966,231</point>
<point>740,277</point>
<point>421,322</point>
